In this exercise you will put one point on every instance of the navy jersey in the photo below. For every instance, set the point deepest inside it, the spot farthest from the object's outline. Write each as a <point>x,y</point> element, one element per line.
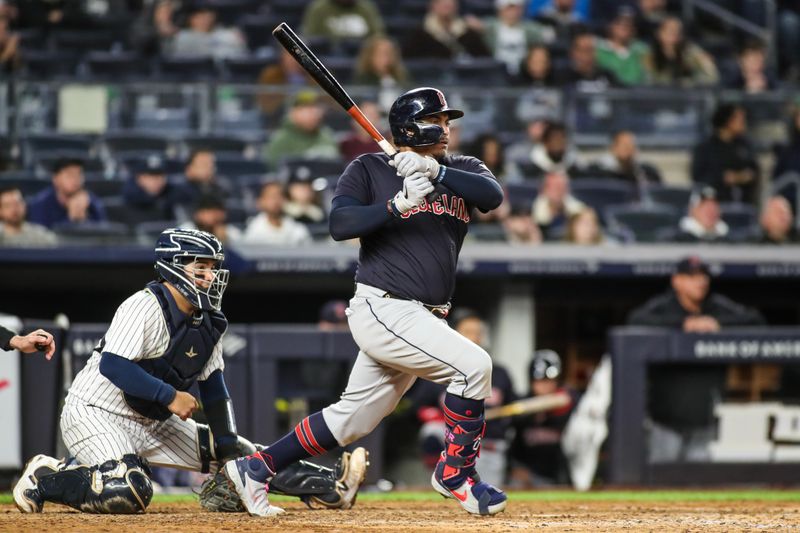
<point>414,256</point>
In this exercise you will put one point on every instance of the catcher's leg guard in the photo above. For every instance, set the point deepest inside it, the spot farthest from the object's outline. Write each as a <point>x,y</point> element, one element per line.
<point>114,487</point>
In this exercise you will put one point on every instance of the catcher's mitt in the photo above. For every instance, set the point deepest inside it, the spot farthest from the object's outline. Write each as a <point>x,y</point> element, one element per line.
<point>218,495</point>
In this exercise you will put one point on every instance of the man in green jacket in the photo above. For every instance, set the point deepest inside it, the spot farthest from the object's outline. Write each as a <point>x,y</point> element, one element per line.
<point>302,132</point>
<point>622,53</point>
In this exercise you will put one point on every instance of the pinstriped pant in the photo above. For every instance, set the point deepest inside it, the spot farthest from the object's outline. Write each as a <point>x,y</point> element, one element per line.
<point>94,435</point>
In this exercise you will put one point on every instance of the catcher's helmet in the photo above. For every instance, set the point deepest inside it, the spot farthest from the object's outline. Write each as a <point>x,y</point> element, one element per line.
<point>412,106</point>
<point>546,364</point>
<point>175,249</point>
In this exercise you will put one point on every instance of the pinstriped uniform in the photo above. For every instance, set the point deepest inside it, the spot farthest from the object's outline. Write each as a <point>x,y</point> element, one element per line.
<point>97,424</point>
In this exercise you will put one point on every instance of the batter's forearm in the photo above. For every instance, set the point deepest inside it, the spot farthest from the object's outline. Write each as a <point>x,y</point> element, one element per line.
<point>132,379</point>
<point>483,192</point>
<point>352,221</point>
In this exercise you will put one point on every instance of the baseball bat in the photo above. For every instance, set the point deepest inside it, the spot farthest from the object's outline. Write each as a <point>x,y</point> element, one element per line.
<point>537,404</point>
<point>311,64</point>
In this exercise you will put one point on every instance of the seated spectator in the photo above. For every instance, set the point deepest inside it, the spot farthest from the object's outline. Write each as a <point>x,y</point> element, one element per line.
<point>209,214</point>
<point>673,60</point>
<point>537,443</point>
<point>554,153</point>
<point>303,203</point>
<point>566,17</point>
<point>621,53</point>
<point>153,29</point>
<point>520,227</point>
<point>428,396</point>
<point>379,64</point>
<point>689,306</point>
<point>66,201</point>
<point>333,316</point>
<point>536,69</point>
<point>726,160</point>
<point>204,38</point>
<point>510,36</point>
<point>520,151</point>
<point>703,223</point>
<point>358,141</point>
<point>788,157</point>
<point>583,228</point>
<point>752,76</point>
<point>148,194</point>
<point>583,72</point>
<point>488,148</point>
<point>14,230</point>
<point>777,223</point>
<point>445,34</point>
<point>302,132</point>
<point>554,205</point>
<point>9,47</point>
<point>272,226</point>
<point>622,161</point>
<point>342,19</point>
<point>200,179</point>
<point>286,73</point>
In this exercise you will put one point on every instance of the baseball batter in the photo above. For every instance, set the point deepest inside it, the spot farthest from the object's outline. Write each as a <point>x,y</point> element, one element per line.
<point>411,214</point>
<point>130,406</point>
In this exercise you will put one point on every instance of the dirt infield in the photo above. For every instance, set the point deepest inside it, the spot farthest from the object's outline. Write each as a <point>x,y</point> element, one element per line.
<point>438,517</point>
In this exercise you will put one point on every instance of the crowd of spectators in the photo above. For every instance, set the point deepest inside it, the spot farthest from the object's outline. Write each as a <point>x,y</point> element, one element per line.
<point>554,191</point>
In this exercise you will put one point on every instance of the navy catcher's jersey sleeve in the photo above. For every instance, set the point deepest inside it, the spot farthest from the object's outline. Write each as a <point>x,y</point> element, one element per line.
<point>414,256</point>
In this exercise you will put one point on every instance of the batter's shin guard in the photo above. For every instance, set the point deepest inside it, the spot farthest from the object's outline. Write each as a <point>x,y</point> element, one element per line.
<point>114,487</point>
<point>462,448</point>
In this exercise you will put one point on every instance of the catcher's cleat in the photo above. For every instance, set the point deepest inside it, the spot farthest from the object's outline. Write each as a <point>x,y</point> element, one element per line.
<point>350,471</point>
<point>249,477</point>
<point>475,496</point>
<point>26,493</point>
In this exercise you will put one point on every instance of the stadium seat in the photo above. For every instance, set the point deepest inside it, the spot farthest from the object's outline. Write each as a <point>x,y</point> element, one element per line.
<point>232,166</point>
<point>43,164</point>
<point>115,66</point>
<point>25,180</point>
<point>219,144</point>
<point>599,193</point>
<point>521,195</point>
<point>430,71</point>
<point>739,217</point>
<point>677,197</point>
<point>484,72</point>
<point>256,28</point>
<point>81,41</point>
<point>177,121</point>
<point>138,144</point>
<point>487,232</point>
<point>104,187</point>
<point>643,223</point>
<point>92,233</point>
<point>46,65</point>
<point>248,122</point>
<point>187,69</point>
<point>246,69</point>
<point>43,144</point>
<point>230,11</point>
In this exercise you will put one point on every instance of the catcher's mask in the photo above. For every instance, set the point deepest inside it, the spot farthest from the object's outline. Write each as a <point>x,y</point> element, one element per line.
<point>409,108</point>
<point>178,252</point>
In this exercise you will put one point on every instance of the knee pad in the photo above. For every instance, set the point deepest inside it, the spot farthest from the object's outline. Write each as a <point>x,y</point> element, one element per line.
<point>114,487</point>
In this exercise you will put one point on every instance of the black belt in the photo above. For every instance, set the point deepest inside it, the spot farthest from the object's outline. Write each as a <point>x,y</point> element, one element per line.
<point>439,311</point>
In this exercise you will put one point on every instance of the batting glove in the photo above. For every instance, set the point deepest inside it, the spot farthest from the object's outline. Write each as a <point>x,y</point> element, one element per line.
<point>415,188</point>
<point>408,163</point>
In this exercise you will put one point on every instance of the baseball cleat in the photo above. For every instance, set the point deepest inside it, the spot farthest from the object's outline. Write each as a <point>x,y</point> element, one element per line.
<point>353,472</point>
<point>26,495</point>
<point>249,478</point>
<point>476,497</point>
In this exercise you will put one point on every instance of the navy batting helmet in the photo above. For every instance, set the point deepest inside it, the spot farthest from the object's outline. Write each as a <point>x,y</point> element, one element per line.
<point>176,248</point>
<point>412,106</point>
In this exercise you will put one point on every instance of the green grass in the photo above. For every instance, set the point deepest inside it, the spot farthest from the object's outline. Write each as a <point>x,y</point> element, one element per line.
<point>550,496</point>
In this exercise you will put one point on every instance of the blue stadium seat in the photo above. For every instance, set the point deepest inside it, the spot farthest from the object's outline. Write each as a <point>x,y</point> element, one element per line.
<point>43,144</point>
<point>92,233</point>
<point>104,188</point>
<point>483,72</point>
<point>25,180</point>
<point>187,69</point>
<point>46,65</point>
<point>116,66</point>
<point>599,193</point>
<point>232,166</point>
<point>120,144</point>
<point>217,143</point>
<point>739,217</point>
<point>677,197</point>
<point>246,69</point>
<point>642,223</point>
<point>521,195</point>
<point>429,71</point>
<point>174,121</point>
<point>83,41</point>
<point>487,232</point>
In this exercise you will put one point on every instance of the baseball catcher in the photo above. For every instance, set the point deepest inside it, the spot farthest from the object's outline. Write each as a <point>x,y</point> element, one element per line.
<point>129,406</point>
